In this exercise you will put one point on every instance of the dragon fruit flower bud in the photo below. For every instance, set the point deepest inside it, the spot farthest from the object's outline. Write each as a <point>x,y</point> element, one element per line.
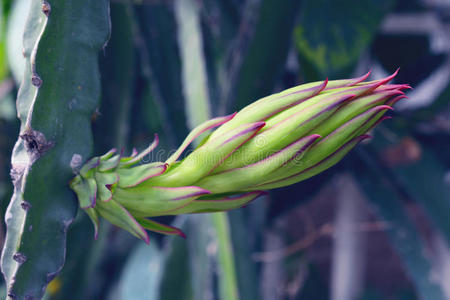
<point>276,141</point>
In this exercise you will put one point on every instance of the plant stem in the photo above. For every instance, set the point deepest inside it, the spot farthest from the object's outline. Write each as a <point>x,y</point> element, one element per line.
<point>228,284</point>
<point>198,110</point>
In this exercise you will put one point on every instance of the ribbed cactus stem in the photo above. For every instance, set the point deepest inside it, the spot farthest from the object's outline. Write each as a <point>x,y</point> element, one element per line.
<point>59,92</point>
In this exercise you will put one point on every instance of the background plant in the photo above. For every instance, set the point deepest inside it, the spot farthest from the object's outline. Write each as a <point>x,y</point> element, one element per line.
<point>168,66</point>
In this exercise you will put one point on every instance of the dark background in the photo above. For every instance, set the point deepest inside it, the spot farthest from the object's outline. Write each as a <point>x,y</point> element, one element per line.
<point>376,226</point>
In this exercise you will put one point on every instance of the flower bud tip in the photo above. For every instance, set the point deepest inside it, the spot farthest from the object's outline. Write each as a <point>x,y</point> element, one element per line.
<point>361,78</point>
<point>387,79</point>
<point>262,193</point>
<point>394,100</point>
<point>383,107</point>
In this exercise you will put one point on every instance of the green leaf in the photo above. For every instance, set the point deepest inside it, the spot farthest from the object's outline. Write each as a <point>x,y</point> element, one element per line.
<point>118,66</point>
<point>14,37</point>
<point>3,64</point>
<point>187,264</point>
<point>267,52</point>
<point>157,28</point>
<point>402,232</point>
<point>423,180</point>
<point>332,35</point>
<point>194,75</point>
<point>246,226</point>
<point>141,274</point>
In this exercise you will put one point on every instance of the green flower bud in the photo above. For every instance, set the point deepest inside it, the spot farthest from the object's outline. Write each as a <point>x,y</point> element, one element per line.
<point>274,142</point>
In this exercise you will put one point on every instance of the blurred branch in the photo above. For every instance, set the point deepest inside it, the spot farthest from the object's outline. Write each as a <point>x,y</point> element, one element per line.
<point>272,273</point>
<point>348,258</point>
<point>441,262</point>
<point>266,53</point>
<point>236,54</point>
<point>436,28</point>
<point>149,75</point>
<point>419,23</point>
<point>325,230</point>
<point>387,197</point>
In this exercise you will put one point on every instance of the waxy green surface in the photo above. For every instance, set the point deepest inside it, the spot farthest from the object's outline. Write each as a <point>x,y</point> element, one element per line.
<point>59,93</point>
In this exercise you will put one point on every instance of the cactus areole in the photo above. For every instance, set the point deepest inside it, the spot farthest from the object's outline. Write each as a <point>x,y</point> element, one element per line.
<point>274,142</point>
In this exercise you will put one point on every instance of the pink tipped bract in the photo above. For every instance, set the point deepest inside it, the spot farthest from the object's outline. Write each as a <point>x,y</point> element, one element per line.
<point>273,142</point>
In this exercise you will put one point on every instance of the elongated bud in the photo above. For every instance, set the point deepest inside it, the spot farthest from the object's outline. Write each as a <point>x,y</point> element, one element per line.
<point>156,201</point>
<point>268,106</point>
<point>277,134</point>
<point>207,157</point>
<point>315,169</point>
<point>241,178</point>
<point>274,142</point>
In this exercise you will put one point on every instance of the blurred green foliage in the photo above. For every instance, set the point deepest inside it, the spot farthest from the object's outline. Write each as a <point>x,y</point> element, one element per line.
<point>332,35</point>
<point>250,49</point>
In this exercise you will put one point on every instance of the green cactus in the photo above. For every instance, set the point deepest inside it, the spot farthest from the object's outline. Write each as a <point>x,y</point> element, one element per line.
<point>59,93</point>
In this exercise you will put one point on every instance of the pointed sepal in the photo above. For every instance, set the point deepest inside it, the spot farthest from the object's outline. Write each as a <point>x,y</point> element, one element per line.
<point>264,108</point>
<point>196,132</point>
<point>144,201</point>
<point>207,157</point>
<point>209,204</point>
<point>134,176</point>
<point>117,215</point>
<point>104,183</point>
<point>321,166</point>
<point>137,157</point>
<point>160,228</point>
<point>250,175</point>
<point>86,190</point>
<point>93,216</point>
